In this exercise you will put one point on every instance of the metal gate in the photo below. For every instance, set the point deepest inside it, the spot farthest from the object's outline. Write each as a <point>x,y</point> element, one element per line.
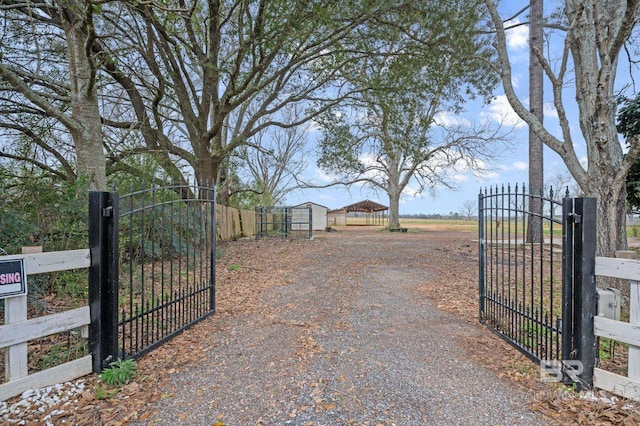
<point>533,253</point>
<point>156,250</point>
<point>286,222</point>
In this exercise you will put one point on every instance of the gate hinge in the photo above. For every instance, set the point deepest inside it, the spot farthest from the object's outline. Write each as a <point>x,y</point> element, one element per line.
<point>107,211</point>
<point>575,218</point>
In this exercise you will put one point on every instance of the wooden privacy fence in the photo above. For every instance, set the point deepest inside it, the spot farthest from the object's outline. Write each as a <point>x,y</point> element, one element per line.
<point>625,332</point>
<point>232,223</point>
<point>18,330</point>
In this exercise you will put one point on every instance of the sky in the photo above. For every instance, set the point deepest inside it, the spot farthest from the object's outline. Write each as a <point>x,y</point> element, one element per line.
<point>510,168</point>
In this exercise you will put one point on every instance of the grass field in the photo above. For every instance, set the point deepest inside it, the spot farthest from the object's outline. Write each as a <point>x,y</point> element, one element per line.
<point>472,225</point>
<point>435,224</point>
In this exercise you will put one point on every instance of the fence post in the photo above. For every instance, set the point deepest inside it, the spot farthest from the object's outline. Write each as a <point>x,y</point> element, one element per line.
<point>212,260</point>
<point>103,277</point>
<point>310,222</point>
<point>481,245</point>
<point>633,363</point>
<point>287,222</point>
<point>567,281</point>
<point>584,290</point>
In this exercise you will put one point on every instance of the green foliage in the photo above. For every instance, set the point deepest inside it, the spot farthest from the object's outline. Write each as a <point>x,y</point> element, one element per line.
<point>104,393</point>
<point>37,210</point>
<point>629,126</point>
<point>413,61</point>
<point>119,372</point>
<point>629,117</point>
<point>160,225</point>
<point>606,349</point>
<point>15,230</point>
<point>219,253</point>
<point>72,285</point>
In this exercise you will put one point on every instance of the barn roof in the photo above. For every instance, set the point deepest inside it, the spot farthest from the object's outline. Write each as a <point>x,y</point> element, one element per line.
<point>366,206</point>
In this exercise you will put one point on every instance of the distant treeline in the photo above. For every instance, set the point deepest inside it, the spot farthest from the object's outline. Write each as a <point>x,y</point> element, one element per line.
<point>451,215</point>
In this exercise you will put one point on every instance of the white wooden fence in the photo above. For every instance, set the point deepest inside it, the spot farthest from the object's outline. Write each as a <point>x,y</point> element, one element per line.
<point>18,330</point>
<point>626,332</point>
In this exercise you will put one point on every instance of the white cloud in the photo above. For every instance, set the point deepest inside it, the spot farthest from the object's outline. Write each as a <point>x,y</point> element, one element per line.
<point>459,178</point>
<point>322,176</point>
<point>411,191</point>
<point>368,160</point>
<point>488,175</point>
<point>449,119</point>
<point>500,110</point>
<point>325,197</point>
<point>515,79</point>
<point>550,110</point>
<point>584,161</point>
<point>520,166</point>
<point>518,37</point>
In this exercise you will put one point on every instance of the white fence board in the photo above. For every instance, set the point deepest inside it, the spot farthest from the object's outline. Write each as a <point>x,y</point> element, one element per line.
<point>15,357</point>
<point>618,268</point>
<point>627,269</point>
<point>40,263</point>
<point>617,330</point>
<point>19,332</point>
<point>615,383</point>
<point>60,374</point>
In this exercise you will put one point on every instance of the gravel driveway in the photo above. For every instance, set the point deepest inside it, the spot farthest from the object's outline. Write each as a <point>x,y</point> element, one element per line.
<point>347,340</point>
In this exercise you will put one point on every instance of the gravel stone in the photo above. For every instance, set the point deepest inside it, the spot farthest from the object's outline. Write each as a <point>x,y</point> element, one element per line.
<point>349,341</point>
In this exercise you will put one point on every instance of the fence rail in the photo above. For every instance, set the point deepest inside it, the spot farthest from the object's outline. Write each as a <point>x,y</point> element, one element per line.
<point>625,332</point>
<point>19,330</point>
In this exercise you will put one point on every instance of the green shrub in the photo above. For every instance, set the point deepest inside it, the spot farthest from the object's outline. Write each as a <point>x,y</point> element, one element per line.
<point>119,372</point>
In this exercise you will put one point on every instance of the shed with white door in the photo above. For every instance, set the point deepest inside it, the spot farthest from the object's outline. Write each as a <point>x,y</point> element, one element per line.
<point>318,215</point>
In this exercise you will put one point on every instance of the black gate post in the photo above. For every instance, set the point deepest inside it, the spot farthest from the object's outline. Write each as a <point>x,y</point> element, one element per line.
<point>567,281</point>
<point>585,304</point>
<point>287,222</point>
<point>212,255</point>
<point>579,290</point>
<point>481,256</point>
<point>103,278</point>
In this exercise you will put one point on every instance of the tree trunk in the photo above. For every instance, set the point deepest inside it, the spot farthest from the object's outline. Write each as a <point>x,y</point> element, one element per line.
<point>536,104</point>
<point>597,34</point>
<point>87,134</point>
<point>611,232</point>
<point>394,209</point>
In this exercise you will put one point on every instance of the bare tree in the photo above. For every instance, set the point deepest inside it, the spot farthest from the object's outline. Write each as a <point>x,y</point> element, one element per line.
<point>594,37</point>
<point>469,208</point>
<point>272,160</point>
<point>556,189</point>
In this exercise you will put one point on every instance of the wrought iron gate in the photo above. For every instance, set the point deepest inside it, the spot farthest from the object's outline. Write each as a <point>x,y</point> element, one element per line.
<point>155,251</point>
<point>533,254</point>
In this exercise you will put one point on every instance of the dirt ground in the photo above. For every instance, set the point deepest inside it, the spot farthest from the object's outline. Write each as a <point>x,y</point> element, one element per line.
<point>344,329</point>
